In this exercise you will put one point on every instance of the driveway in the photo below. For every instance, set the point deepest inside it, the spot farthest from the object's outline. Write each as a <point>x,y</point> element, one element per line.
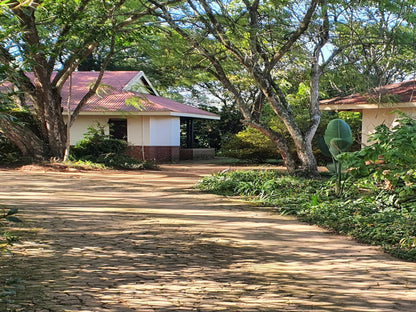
<point>146,241</point>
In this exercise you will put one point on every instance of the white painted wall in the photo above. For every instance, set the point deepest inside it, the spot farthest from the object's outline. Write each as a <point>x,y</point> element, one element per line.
<point>371,118</point>
<point>81,124</point>
<point>164,131</point>
<point>138,130</point>
<point>141,130</point>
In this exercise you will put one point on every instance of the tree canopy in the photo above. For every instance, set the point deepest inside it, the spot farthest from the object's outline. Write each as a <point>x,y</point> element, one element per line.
<point>274,58</point>
<point>50,39</point>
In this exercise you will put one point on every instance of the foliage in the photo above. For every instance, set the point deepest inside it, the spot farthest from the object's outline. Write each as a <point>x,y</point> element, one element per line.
<point>337,140</point>
<point>378,51</point>
<point>250,144</point>
<point>213,133</point>
<point>9,289</point>
<point>97,147</point>
<point>6,238</point>
<point>390,161</point>
<point>368,216</point>
<point>7,215</point>
<point>96,143</point>
<point>8,152</point>
<point>50,39</point>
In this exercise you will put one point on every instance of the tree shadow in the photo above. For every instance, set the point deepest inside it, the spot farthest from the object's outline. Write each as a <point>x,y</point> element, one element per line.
<point>128,243</point>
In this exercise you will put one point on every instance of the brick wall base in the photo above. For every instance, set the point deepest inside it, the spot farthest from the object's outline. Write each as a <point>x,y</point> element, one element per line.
<point>160,154</point>
<point>196,153</point>
<point>163,154</point>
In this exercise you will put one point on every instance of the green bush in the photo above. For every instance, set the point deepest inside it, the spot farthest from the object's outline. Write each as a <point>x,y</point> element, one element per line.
<point>250,144</point>
<point>6,238</point>
<point>389,163</point>
<point>96,143</point>
<point>97,147</point>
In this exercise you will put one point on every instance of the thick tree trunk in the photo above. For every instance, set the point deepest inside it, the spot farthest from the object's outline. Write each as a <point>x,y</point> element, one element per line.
<point>302,142</point>
<point>308,165</point>
<point>47,103</point>
<point>281,145</point>
<point>25,139</point>
<point>44,95</point>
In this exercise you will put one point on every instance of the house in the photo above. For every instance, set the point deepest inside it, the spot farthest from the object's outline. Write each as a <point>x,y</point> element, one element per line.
<point>377,106</point>
<point>128,102</point>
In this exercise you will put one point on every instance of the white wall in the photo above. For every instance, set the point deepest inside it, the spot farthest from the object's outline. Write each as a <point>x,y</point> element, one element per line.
<point>141,130</point>
<point>138,130</point>
<point>164,131</point>
<point>81,124</point>
<point>371,118</point>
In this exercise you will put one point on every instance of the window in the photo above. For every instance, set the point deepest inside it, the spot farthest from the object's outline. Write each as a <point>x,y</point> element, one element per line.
<point>118,128</point>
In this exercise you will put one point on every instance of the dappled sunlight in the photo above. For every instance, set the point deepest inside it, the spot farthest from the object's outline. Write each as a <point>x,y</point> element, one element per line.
<point>142,242</point>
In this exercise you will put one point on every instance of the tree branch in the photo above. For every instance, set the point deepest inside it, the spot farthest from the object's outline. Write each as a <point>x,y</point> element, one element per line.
<point>295,36</point>
<point>65,30</point>
<point>94,88</point>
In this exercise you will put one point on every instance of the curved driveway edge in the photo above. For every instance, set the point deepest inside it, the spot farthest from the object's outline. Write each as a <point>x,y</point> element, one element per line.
<point>146,241</point>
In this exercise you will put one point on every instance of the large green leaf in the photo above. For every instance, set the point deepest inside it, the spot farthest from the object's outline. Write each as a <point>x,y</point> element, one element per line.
<point>338,137</point>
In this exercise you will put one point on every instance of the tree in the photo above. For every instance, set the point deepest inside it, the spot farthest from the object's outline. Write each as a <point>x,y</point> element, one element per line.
<point>50,39</point>
<point>254,47</point>
<point>248,46</point>
<point>375,43</point>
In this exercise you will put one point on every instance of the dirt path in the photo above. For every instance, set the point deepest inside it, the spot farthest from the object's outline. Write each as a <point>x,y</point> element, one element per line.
<point>145,241</point>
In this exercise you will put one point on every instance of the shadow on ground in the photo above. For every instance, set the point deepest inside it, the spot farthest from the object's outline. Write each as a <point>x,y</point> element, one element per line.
<point>113,241</point>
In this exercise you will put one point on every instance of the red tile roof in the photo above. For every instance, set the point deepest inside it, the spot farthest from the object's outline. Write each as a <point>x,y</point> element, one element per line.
<point>112,98</point>
<point>401,92</point>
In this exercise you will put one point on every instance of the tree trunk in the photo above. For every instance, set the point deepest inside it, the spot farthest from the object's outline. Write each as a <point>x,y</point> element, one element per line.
<point>309,165</point>
<point>48,110</point>
<point>25,139</point>
<point>44,95</point>
<point>281,145</point>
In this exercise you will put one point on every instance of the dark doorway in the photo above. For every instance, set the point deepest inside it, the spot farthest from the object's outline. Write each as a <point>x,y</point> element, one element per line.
<point>188,131</point>
<point>118,128</point>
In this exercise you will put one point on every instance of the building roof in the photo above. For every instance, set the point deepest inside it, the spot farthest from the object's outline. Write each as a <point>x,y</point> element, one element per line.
<point>117,96</point>
<point>124,92</point>
<point>398,95</point>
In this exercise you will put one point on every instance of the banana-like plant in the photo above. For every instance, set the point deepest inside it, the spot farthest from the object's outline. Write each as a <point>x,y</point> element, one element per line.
<point>337,140</point>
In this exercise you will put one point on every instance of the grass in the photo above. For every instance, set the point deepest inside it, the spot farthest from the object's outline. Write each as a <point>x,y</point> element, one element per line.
<point>367,215</point>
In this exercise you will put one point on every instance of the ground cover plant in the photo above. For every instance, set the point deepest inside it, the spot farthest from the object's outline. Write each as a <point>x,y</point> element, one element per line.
<point>9,287</point>
<point>378,205</point>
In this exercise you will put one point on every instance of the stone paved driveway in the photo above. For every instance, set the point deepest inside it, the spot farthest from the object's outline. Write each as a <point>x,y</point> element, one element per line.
<point>145,241</point>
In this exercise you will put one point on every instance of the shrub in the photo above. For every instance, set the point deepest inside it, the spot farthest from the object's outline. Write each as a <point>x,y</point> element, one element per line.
<point>250,144</point>
<point>389,162</point>
<point>96,143</point>
<point>100,148</point>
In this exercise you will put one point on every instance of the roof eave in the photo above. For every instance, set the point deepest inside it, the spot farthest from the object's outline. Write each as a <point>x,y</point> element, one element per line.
<point>363,106</point>
<point>201,116</point>
<point>138,113</point>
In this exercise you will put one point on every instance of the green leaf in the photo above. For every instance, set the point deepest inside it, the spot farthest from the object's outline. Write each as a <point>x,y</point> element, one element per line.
<point>323,147</point>
<point>338,136</point>
<point>12,211</point>
<point>13,219</point>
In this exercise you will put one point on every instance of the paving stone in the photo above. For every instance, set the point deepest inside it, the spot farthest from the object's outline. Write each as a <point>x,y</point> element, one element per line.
<point>144,241</point>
